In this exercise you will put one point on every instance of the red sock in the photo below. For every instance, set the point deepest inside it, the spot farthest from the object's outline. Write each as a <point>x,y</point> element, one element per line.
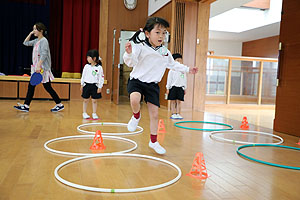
<point>153,138</point>
<point>137,115</point>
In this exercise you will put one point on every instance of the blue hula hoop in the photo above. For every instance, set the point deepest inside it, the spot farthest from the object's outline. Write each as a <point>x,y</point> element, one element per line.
<point>264,162</point>
<point>201,129</point>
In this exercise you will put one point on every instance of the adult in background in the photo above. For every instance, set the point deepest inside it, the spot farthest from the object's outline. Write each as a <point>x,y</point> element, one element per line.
<point>41,62</point>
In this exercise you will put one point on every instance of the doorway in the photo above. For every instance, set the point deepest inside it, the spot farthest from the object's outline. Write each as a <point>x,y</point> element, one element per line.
<point>124,69</point>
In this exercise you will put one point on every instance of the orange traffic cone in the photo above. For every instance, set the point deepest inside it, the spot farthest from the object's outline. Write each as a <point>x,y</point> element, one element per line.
<point>298,142</point>
<point>198,169</point>
<point>245,125</point>
<point>161,126</point>
<point>98,142</point>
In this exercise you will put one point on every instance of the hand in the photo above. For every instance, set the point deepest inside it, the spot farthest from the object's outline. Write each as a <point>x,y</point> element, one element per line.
<point>81,88</point>
<point>128,48</point>
<point>167,92</point>
<point>38,69</point>
<point>193,70</point>
<point>99,90</point>
<point>31,33</point>
<point>184,92</point>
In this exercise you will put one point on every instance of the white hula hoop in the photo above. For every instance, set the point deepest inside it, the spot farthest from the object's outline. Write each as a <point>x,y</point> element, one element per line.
<point>87,136</point>
<point>95,189</point>
<point>213,136</point>
<point>108,123</point>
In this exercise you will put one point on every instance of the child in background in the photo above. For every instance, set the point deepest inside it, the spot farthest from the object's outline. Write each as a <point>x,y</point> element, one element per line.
<point>176,86</point>
<point>92,82</point>
<point>149,59</point>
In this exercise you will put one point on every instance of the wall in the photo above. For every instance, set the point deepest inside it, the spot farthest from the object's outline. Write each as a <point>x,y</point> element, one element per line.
<point>189,50</point>
<point>201,55</point>
<point>114,15</point>
<point>266,47</point>
<point>225,47</point>
<point>155,5</point>
<point>287,110</point>
<point>166,13</point>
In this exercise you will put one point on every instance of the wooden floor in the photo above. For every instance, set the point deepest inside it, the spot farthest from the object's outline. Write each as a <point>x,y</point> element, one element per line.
<point>262,115</point>
<point>26,168</point>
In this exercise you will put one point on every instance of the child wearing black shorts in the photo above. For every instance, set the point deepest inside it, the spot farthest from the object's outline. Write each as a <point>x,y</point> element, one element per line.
<point>176,86</point>
<point>149,60</point>
<point>92,82</point>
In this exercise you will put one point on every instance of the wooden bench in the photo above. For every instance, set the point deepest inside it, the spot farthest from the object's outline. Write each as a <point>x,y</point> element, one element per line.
<point>15,87</point>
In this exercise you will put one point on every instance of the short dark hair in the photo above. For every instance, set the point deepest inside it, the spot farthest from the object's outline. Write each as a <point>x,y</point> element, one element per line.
<point>176,55</point>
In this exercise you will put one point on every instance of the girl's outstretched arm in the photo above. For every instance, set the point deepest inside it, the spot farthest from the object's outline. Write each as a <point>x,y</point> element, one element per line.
<point>193,70</point>
<point>131,54</point>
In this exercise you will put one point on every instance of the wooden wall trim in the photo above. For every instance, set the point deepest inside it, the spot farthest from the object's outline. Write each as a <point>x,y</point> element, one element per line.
<point>228,92</point>
<point>189,49</point>
<point>166,12</point>
<point>172,24</point>
<point>208,1</point>
<point>114,15</point>
<point>243,58</point>
<point>201,56</point>
<point>103,30</point>
<point>179,27</point>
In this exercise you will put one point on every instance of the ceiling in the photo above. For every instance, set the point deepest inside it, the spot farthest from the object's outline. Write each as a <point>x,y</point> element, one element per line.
<point>221,6</point>
<point>254,34</point>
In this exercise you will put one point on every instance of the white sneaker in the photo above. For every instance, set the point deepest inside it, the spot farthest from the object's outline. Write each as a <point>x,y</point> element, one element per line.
<point>22,107</point>
<point>133,123</point>
<point>157,148</point>
<point>173,116</point>
<point>85,115</point>
<point>95,116</point>
<point>178,116</point>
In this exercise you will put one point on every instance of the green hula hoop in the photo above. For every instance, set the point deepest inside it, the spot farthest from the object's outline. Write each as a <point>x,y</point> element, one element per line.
<point>201,129</point>
<point>264,162</point>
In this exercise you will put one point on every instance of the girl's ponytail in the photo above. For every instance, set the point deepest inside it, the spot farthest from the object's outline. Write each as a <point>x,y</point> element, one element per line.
<point>135,38</point>
<point>99,61</point>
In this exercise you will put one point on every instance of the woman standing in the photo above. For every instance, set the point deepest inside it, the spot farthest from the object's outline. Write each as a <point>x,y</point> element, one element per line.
<point>41,62</point>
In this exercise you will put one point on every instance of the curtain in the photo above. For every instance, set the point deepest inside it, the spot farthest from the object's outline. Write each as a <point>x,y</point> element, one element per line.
<point>55,36</point>
<point>80,32</point>
<point>17,20</point>
<point>73,27</point>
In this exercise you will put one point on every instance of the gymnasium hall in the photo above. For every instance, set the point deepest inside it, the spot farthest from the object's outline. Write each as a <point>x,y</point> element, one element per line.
<point>235,136</point>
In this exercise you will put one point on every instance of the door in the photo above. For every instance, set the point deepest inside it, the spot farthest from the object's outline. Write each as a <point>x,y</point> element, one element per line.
<point>115,71</point>
<point>124,70</point>
<point>287,111</point>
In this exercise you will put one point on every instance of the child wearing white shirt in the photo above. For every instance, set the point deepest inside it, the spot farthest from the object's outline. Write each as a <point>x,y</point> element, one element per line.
<point>92,82</point>
<point>149,59</point>
<point>176,86</point>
